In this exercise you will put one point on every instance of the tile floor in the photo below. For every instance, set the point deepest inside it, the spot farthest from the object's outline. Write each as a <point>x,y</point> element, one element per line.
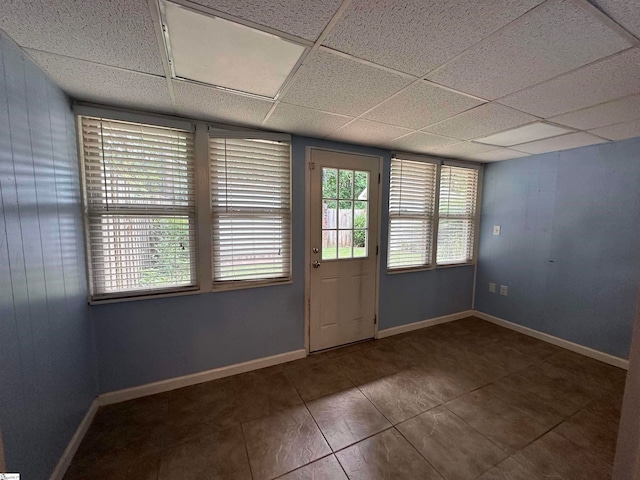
<point>461,400</point>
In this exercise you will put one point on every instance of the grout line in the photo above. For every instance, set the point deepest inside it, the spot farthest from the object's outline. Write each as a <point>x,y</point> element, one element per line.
<point>246,448</point>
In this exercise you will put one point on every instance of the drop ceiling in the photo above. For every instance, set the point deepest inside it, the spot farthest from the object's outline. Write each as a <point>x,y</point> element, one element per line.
<point>484,81</point>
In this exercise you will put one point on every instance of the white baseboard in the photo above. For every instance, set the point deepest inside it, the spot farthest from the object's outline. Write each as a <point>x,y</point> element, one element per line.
<point>574,347</point>
<point>65,460</point>
<point>200,377</point>
<point>387,332</point>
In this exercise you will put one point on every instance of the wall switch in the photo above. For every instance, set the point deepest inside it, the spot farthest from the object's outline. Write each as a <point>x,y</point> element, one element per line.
<point>492,287</point>
<point>496,229</point>
<point>503,290</point>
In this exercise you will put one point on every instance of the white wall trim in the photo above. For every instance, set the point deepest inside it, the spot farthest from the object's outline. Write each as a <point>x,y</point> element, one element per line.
<point>388,332</point>
<point>65,460</point>
<point>574,347</point>
<point>195,378</point>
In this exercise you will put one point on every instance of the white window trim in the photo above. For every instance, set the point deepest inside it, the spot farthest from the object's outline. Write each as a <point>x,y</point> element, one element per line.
<point>440,162</point>
<point>203,131</point>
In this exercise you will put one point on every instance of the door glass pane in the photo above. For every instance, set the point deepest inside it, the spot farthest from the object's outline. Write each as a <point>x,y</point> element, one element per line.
<point>329,216</point>
<point>329,243</point>
<point>345,189</point>
<point>360,215</point>
<point>361,186</point>
<point>329,183</point>
<point>345,217</point>
<point>345,242</point>
<point>359,243</point>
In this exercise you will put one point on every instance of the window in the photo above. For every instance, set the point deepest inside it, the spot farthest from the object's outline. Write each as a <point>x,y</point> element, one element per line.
<point>139,194</point>
<point>411,213</point>
<point>251,209</point>
<point>430,220</point>
<point>457,214</point>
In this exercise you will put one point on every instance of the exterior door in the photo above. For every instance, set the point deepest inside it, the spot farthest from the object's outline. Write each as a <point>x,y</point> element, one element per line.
<point>343,242</point>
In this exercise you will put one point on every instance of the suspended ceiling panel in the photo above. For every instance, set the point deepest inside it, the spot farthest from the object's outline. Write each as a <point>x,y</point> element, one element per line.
<point>620,131</point>
<point>415,36</point>
<point>553,39</point>
<point>100,84</point>
<point>625,12</point>
<point>621,110</point>
<point>337,84</point>
<point>422,142</point>
<point>304,121</point>
<point>564,142</point>
<point>229,55</point>
<point>497,155</point>
<point>197,101</point>
<point>421,104</point>
<point>301,18</point>
<point>372,133</point>
<point>614,77</point>
<point>481,121</point>
<point>119,33</point>
<point>524,134</point>
<point>463,150</point>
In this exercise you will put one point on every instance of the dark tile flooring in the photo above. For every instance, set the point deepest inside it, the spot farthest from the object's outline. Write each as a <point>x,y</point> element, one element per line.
<point>461,400</point>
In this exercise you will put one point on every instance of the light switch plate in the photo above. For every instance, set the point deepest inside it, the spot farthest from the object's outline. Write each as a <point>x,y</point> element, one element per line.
<point>492,287</point>
<point>496,229</point>
<point>503,290</point>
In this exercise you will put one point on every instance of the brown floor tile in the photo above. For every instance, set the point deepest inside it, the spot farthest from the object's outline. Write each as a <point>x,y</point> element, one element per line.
<point>259,395</point>
<point>385,456</point>
<point>346,418</point>
<point>608,406</point>
<point>504,424</point>
<point>318,379</point>
<point>554,454</point>
<point>591,373</point>
<point>454,448</point>
<point>400,396</point>
<point>282,442</point>
<point>592,432</point>
<point>365,366</point>
<point>509,469</point>
<point>326,468</point>
<point>531,347</point>
<point>138,468</point>
<point>221,455</point>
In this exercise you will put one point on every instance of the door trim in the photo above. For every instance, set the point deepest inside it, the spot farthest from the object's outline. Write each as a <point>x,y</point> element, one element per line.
<point>307,239</point>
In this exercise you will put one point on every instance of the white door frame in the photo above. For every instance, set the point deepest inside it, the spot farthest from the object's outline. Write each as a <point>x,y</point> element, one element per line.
<point>307,238</point>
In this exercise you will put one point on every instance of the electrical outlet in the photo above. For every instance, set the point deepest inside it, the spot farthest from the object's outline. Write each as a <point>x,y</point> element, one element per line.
<point>496,229</point>
<point>492,287</point>
<point>503,290</point>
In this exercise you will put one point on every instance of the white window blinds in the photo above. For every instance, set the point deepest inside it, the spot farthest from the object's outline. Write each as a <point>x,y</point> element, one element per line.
<point>457,214</point>
<point>411,213</point>
<point>140,207</point>
<point>251,209</point>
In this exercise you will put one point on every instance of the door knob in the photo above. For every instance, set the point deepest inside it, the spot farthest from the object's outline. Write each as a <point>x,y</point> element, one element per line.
<point>316,264</point>
<point>315,250</point>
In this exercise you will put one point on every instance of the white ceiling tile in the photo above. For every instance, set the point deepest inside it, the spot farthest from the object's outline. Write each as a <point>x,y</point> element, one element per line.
<point>564,142</point>
<point>421,104</point>
<point>420,142</point>
<point>600,82</point>
<point>497,155</point>
<point>207,103</point>
<point>626,13</point>
<point>462,150</point>
<point>297,17</point>
<point>620,110</point>
<point>304,121</point>
<point>415,36</point>
<point>336,84</point>
<point>620,131</point>
<point>96,83</point>
<point>119,33</point>
<point>481,121</point>
<point>524,134</point>
<point>556,37</point>
<point>368,133</point>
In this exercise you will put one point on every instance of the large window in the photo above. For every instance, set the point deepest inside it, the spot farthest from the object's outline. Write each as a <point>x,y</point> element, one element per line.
<point>432,214</point>
<point>139,194</point>
<point>251,209</point>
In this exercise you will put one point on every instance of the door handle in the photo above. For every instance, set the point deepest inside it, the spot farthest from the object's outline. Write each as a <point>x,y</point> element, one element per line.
<point>316,264</point>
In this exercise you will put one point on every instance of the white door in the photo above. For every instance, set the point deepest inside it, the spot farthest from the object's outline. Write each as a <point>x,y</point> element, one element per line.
<point>343,242</point>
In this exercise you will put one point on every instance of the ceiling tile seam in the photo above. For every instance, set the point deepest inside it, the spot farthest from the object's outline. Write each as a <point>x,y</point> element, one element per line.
<point>515,147</point>
<point>369,63</point>
<point>546,122</point>
<point>595,106</point>
<point>157,27</point>
<point>606,20</point>
<point>588,130</point>
<point>335,18</point>
<point>586,65</point>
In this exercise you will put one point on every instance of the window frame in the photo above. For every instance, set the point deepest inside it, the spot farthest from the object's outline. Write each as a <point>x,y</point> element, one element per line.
<point>439,162</point>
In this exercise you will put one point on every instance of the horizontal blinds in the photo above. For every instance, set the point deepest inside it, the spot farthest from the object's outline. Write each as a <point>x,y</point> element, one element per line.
<point>457,213</point>
<point>411,211</point>
<point>140,204</point>
<point>251,209</point>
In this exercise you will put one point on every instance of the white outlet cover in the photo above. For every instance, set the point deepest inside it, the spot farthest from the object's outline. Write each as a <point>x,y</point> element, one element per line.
<point>496,229</point>
<point>503,290</point>
<point>492,287</point>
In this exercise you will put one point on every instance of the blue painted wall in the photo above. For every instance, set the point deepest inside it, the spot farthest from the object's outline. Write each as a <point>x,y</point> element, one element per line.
<point>150,340</point>
<point>568,249</point>
<point>47,361</point>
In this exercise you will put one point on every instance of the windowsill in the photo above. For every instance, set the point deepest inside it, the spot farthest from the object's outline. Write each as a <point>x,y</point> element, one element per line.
<point>182,293</point>
<point>427,268</point>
